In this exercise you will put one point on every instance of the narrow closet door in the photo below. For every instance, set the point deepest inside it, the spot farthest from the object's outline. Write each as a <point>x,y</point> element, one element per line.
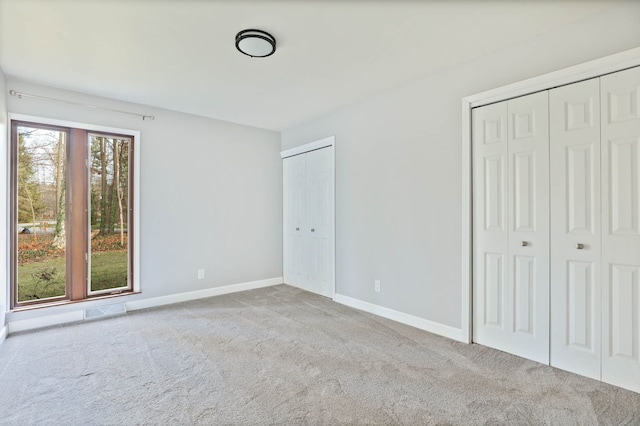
<point>490,227</point>
<point>294,222</point>
<point>318,229</point>
<point>575,228</point>
<point>511,226</point>
<point>528,289</point>
<point>621,228</point>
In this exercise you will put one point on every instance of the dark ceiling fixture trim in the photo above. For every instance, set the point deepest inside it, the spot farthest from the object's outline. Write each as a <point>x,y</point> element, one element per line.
<point>255,43</point>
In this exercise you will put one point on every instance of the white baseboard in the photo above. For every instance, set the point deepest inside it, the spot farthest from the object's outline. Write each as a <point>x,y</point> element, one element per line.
<point>401,317</point>
<point>78,315</point>
<point>46,321</point>
<point>201,294</point>
<point>3,333</point>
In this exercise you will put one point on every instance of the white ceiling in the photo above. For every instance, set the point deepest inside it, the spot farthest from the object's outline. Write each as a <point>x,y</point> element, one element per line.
<point>180,55</point>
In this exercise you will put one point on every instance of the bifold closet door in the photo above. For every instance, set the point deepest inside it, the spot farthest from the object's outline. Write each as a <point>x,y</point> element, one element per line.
<point>575,227</point>
<point>293,219</point>
<point>620,118</point>
<point>319,221</point>
<point>588,246</point>
<point>511,226</point>
<point>308,215</point>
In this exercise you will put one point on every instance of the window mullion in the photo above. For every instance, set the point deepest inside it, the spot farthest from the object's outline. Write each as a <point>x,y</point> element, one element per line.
<point>78,235</point>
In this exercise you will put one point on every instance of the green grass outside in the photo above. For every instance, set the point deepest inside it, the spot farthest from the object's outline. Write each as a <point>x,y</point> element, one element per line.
<point>40,280</point>
<point>108,270</point>
<point>45,279</point>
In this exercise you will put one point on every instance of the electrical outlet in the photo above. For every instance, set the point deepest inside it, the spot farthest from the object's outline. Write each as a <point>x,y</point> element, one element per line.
<point>376,286</point>
<point>201,274</point>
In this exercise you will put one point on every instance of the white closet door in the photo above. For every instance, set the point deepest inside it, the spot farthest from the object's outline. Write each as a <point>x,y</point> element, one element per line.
<point>575,228</point>
<point>528,289</point>
<point>490,227</point>
<point>294,222</point>
<point>621,228</point>
<point>319,224</point>
<point>511,226</point>
<point>308,221</point>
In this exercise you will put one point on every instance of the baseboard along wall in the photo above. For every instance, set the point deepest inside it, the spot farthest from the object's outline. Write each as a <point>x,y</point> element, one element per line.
<point>3,333</point>
<point>201,294</point>
<point>79,315</point>
<point>401,317</point>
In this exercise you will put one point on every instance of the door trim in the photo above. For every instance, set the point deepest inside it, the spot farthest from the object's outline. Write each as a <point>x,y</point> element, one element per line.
<point>329,141</point>
<point>596,68</point>
<point>311,146</point>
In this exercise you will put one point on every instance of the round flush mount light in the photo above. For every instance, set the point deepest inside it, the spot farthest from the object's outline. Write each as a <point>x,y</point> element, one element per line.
<point>255,43</point>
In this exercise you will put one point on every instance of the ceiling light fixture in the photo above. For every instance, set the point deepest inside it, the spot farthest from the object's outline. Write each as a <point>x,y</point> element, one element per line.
<point>255,43</point>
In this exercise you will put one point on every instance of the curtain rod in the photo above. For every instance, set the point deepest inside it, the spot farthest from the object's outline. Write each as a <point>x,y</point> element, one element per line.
<point>21,95</point>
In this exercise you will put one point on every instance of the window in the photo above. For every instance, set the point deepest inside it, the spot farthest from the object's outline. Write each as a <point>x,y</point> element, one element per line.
<point>72,213</point>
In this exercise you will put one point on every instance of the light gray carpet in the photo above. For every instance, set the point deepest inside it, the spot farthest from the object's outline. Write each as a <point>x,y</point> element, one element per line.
<point>282,356</point>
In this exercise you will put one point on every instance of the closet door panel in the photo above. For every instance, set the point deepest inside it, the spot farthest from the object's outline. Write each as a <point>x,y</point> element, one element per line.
<point>620,93</point>
<point>294,258</point>
<point>319,223</point>
<point>575,244</point>
<point>528,284</point>
<point>581,182</point>
<point>490,227</point>
<point>511,287</point>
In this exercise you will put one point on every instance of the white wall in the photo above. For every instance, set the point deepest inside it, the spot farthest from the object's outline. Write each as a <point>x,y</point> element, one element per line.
<point>210,193</point>
<point>399,167</point>
<point>3,208</point>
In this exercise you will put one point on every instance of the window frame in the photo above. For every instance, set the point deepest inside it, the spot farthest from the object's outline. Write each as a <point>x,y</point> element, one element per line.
<point>73,291</point>
<point>13,209</point>
<point>130,223</point>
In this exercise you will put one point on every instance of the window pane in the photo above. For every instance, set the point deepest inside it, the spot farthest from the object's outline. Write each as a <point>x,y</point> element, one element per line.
<point>41,181</point>
<point>109,208</point>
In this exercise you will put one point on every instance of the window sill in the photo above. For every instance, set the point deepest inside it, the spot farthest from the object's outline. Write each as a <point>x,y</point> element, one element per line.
<point>36,306</point>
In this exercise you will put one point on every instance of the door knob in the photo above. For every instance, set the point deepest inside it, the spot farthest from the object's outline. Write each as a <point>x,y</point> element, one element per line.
<point>524,243</point>
<point>297,229</point>
<point>313,230</point>
<point>579,246</point>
